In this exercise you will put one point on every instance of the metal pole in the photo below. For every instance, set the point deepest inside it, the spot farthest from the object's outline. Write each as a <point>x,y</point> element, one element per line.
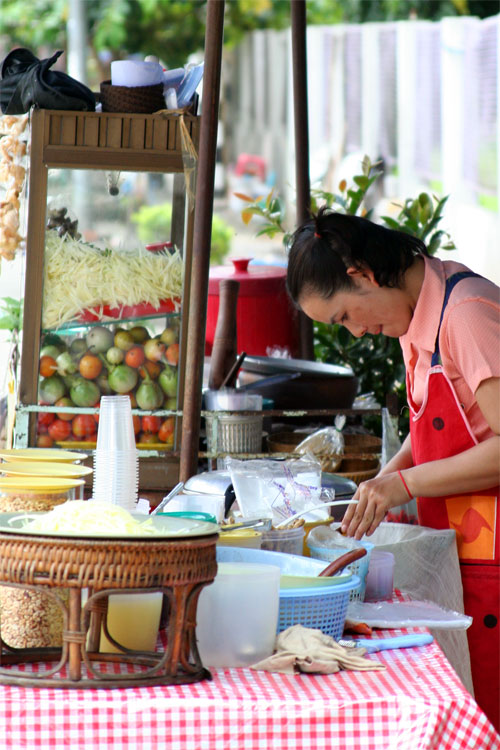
<point>195,347</point>
<point>299,66</point>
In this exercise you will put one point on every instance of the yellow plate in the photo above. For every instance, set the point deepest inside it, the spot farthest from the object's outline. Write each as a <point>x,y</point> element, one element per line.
<point>38,484</point>
<point>41,454</point>
<point>153,447</point>
<point>140,446</point>
<point>87,445</point>
<point>43,469</point>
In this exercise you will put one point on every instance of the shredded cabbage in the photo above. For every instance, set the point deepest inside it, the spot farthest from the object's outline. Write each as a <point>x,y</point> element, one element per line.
<point>78,276</point>
<point>91,517</point>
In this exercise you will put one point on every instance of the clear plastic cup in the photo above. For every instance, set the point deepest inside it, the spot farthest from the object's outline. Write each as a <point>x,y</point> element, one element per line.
<point>116,477</point>
<point>116,428</point>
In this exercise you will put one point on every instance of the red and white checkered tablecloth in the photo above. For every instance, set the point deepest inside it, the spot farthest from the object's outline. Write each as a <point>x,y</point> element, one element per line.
<point>418,703</point>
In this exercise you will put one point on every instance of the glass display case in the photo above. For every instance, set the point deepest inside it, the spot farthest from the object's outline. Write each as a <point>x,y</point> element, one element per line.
<point>108,254</point>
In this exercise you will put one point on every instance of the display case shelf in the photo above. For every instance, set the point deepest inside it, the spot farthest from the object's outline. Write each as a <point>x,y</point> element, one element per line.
<point>105,142</point>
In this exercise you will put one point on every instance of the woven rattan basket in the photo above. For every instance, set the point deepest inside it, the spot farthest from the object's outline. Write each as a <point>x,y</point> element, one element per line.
<point>143,99</point>
<point>359,469</point>
<point>361,443</point>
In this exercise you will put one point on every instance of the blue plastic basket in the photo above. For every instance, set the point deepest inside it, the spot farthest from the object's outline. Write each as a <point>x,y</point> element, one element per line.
<point>320,608</point>
<point>359,567</point>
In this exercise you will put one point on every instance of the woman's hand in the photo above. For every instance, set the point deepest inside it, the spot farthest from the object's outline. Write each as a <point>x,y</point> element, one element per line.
<point>375,497</point>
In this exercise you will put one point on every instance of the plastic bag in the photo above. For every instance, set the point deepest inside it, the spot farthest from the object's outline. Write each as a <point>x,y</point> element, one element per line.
<point>412,614</point>
<point>427,568</point>
<point>277,489</point>
<point>28,82</point>
<point>391,444</point>
<point>327,445</point>
<point>328,536</point>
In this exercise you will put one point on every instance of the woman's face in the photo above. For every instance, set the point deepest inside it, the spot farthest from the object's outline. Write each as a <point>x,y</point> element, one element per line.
<point>369,308</point>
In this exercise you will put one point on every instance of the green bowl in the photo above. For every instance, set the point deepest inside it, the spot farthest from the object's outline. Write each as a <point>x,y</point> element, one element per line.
<point>303,582</point>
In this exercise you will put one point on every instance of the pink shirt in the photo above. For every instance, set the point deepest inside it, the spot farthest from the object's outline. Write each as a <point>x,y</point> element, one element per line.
<point>469,340</point>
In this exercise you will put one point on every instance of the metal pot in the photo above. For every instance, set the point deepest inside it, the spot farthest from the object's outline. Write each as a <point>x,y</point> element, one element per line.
<point>319,385</point>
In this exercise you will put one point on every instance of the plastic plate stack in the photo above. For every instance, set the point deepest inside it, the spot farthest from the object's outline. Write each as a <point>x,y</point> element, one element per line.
<point>321,607</point>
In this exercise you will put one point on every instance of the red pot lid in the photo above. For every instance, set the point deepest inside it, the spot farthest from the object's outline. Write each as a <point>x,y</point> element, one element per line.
<point>254,280</point>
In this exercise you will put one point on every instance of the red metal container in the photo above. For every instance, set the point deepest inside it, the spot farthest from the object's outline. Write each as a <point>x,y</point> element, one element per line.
<point>265,317</point>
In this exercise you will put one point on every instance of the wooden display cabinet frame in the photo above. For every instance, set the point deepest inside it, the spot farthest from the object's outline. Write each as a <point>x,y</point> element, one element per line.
<point>99,141</point>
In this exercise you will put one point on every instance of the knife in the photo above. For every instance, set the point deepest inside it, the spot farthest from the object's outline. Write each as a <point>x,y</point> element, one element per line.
<point>382,644</point>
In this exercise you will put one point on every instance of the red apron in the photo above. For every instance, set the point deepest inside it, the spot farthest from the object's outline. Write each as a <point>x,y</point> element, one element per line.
<point>439,429</point>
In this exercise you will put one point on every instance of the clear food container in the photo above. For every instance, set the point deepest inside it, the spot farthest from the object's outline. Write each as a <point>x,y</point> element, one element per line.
<point>47,469</point>
<point>36,493</point>
<point>286,540</point>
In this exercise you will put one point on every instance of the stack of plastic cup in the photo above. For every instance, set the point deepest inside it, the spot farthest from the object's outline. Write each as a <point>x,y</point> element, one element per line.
<point>116,461</point>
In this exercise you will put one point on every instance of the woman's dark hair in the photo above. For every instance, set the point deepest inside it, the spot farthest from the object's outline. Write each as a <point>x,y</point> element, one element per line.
<point>326,245</point>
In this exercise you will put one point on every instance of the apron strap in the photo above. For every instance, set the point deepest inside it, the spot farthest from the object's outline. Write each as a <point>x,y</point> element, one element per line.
<point>451,282</point>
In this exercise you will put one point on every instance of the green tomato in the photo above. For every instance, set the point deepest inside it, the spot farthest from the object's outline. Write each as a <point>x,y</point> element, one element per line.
<point>168,381</point>
<point>65,364</point>
<point>99,339</point>
<point>122,379</point>
<point>149,395</point>
<point>52,389</point>
<point>115,356</point>
<point>84,392</point>
<point>50,351</point>
<point>78,346</point>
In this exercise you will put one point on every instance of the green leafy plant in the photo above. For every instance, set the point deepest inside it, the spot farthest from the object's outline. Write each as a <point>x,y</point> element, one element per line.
<point>377,361</point>
<point>11,315</point>
<point>153,222</point>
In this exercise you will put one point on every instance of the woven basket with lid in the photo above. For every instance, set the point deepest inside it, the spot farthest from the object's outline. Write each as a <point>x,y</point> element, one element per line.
<point>142,99</point>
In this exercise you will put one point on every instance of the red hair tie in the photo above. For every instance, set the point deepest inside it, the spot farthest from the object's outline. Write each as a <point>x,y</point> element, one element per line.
<point>317,235</point>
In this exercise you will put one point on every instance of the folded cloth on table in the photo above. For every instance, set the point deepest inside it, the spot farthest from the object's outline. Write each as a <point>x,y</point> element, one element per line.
<point>300,649</point>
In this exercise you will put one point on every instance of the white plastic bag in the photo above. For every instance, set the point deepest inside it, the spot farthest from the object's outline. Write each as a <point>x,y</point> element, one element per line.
<point>427,568</point>
<point>277,489</point>
<point>407,615</point>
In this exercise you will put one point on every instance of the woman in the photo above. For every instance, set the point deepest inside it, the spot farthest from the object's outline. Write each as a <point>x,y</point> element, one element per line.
<point>345,269</point>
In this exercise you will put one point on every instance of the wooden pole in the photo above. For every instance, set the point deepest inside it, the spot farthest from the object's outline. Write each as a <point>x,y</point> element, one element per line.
<point>299,66</point>
<point>195,347</point>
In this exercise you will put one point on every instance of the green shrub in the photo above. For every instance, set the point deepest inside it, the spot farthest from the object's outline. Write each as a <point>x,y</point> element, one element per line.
<point>153,225</point>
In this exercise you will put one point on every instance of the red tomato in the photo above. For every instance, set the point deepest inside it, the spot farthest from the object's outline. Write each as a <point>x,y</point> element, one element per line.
<point>135,357</point>
<point>59,430</point>
<point>45,418</point>
<point>137,423</point>
<point>153,369</point>
<point>83,425</point>
<point>166,431</point>
<point>147,437</point>
<point>90,366</point>
<point>48,366</point>
<point>44,441</point>
<point>172,354</point>
<point>151,424</point>
<point>65,416</point>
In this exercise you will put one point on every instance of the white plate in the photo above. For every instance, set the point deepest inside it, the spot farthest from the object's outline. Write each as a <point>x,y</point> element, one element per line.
<point>167,528</point>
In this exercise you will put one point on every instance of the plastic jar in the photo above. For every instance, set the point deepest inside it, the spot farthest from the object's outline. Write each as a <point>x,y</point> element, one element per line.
<point>284,540</point>
<point>380,578</point>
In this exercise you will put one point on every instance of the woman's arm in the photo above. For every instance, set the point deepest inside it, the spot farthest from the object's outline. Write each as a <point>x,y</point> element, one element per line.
<point>477,468</point>
<point>401,460</point>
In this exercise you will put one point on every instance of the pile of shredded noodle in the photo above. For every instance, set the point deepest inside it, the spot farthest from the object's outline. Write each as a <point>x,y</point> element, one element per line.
<point>84,517</point>
<point>79,276</point>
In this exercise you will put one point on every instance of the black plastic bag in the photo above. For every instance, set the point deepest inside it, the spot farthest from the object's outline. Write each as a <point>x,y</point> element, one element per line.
<point>26,81</point>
